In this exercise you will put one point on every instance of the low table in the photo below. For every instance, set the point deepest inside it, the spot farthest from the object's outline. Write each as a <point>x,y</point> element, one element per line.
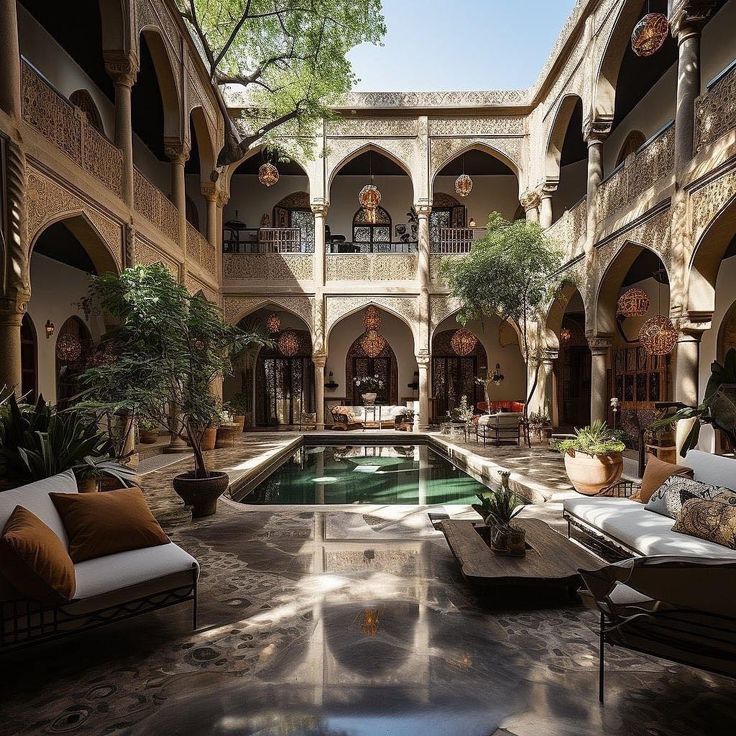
<point>552,561</point>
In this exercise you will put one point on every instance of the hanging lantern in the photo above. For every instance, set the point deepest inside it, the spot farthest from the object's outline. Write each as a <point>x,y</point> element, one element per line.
<point>288,343</point>
<point>373,343</point>
<point>369,197</point>
<point>371,319</point>
<point>633,303</point>
<point>565,334</point>
<point>68,348</point>
<point>463,342</point>
<point>268,174</point>
<point>649,34</point>
<point>658,335</point>
<point>463,185</point>
<point>273,323</point>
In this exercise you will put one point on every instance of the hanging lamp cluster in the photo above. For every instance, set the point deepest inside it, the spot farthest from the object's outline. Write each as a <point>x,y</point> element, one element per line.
<point>463,184</point>
<point>633,303</point>
<point>565,335</point>
<point>268,174</point>
<point>273,323</point>
<point>68,348</point>
<point>373,343</point>
<point>288,343</point>
<point>463,342</point>
<point>371,318</point>
<point>369,196</point>
<point>649,34</point>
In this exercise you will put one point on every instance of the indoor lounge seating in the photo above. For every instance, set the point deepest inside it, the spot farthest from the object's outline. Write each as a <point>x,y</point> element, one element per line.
<point>104,588</point>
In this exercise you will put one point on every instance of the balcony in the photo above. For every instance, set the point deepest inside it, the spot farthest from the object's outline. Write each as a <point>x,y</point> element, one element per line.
<point>715,113</point>
<point>155,206</point>
<point>342,246</point>
<point>455,240</point>
<point>237,239</point>
<point>569,231</point>
<point>201,251</point>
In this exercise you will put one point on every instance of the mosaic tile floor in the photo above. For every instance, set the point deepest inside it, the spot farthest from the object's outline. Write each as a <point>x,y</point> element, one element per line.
<point>346,624</point>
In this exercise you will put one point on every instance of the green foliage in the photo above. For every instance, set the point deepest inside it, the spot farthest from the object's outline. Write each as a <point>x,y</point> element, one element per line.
<point>510,272</point>
<point>167,349</point>
<point>239,403</point>
<point>37,441</point>
<point>500,506</point>
<point>595,439</point>
<point>717,409</point>
<point>286,59</point>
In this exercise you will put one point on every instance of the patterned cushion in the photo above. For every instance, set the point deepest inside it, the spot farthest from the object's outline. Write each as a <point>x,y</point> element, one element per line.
<point>675,491</point>
<point>712,520</point>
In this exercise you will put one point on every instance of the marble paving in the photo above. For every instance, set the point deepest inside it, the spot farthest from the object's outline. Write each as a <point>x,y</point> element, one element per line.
<point>327,623</point>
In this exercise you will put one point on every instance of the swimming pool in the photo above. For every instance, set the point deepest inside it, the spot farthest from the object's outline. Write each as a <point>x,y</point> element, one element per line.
<point>366,474</point>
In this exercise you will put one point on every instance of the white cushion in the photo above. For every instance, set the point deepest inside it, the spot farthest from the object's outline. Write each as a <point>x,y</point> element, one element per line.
<point>35,497</point>
<point>113,572</point>
<point>714,469</point>
<point>643,531</point>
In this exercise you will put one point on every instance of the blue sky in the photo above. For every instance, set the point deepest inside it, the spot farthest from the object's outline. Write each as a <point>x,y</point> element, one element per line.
<point>460,44</point>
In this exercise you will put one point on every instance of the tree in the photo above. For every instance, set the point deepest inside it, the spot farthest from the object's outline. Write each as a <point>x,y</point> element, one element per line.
<point>510,273</point>
<point>288,58</point>
<point>163,355</point>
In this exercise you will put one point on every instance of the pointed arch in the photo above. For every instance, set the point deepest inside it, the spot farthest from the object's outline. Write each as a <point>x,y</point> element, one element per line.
<point>359,150</point>
<point>633,142</point>
<point>199,123</point>
<point>557,135</point>
<point>556,314</point>
<point>252,305</point>
<point>477,145</point>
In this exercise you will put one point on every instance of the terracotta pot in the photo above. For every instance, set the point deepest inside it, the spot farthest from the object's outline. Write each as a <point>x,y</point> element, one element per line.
<point>209,439</point>
<point>149,436</point>
<point>590,474</point>
<point>239,419</point>
<point>88,485</point>
<point>201,493</point>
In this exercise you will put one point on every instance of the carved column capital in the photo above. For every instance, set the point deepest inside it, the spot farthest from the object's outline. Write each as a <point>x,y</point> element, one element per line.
<point>596,130</point>
<point>176,151</point>
<point>688,17</point>
<point>319,360</point>
<point>423,360</point>
<point>599,344</point>
<point>320,208</point>
<point>121,67</point>
<point>14,305</point>
<point>530,199</point>
<point>423,210</point>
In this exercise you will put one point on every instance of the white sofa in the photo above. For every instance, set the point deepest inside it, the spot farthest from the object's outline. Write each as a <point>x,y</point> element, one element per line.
<point>628,526</point>
<point>108,588</point>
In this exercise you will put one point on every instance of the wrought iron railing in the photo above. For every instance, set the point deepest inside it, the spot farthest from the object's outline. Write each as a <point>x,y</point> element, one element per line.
<point>353,247</point>
<point>262,240</point>
<point>715,113</point>
<point>67,127</point>
<point>457,239</point>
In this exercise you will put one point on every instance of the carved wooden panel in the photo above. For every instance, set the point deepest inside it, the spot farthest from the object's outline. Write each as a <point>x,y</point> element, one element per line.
<point>715,111</point>
<point>268,266</point>
<point>200,251</point>
<point>155,206</point>
<point>372,267</point>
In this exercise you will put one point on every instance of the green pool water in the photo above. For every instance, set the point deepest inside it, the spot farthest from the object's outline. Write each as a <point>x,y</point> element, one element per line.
<point>371,474</point>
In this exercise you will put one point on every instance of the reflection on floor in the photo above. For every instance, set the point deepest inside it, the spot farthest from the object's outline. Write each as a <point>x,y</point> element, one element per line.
<point>322,622</point>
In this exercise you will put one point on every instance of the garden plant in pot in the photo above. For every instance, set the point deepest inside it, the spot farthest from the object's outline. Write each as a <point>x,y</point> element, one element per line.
<point>168,349</point>
<point>498,510</point>
<point>538,422</point>
<point>369,386</point>
<point>238,406</point>
<point>148,431</point>
<point>593,458</point>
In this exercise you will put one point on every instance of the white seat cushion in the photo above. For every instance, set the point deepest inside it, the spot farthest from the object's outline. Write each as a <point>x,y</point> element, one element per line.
<point>113,572</point>
<point>35,498</point>
<point>714,469</point>
<point>643,531</point>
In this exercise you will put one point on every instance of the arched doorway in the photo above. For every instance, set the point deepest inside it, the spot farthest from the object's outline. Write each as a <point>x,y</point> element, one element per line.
<point>74,347</point>
<point>453,375</point>
<point>372,230</point>
<point>358,364</point>
<point>293,211</point>
<point>29,359</point>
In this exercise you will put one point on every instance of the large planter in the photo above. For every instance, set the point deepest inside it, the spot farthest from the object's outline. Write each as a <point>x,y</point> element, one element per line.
<point>149,436</point>
<point>239,419</point>
<point>209,439</point>
<point>201,493</point>
<point>590,474</point>
<point>369,398</point>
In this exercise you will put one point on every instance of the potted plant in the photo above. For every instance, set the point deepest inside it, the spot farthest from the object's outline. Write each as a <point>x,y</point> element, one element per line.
<point>92,471</point>
<point>538,422</point>
<point>404,419</point>
<point>369,386</point>
<point>168,348</point>
<point>593,458</point>
<point>148,431</point>
<point>498,510</point>
<point>238,405</point>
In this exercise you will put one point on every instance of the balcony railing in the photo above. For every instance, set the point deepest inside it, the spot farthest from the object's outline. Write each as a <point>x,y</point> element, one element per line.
<point>67,127</point>
<point>457,239</point>
<point>568,230</point>
<point>262,240</point>
<point>653,161</point>
<point>200,250</point>
<point>715,113</point>
<point>353,247</point>
<point>154,205</point>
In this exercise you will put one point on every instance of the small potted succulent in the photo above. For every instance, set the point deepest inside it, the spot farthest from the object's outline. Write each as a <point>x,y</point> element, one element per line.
<point>538,423</point>
<point>593,458</point>
<point>148,430</point>
<point>498,510</point>
<point>238,406</point>
<point>369,386</point>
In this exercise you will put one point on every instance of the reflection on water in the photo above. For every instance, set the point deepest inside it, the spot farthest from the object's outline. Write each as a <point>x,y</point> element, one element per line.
<point>375,474</point>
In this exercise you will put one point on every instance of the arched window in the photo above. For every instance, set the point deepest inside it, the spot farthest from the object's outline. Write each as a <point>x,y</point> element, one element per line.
<point>73,349</point>
<point>83,100</point>
<point>372,228</point>
<point>294,211</point>
<point>446,212</point>
<point>633,142</point>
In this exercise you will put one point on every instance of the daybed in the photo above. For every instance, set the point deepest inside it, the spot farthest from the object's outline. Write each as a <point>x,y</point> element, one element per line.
<point>108,589</point>
<point>355,417</point>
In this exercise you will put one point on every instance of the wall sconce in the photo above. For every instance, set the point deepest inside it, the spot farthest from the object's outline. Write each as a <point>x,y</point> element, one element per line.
<point>50,327</point>
<point>497,376</point>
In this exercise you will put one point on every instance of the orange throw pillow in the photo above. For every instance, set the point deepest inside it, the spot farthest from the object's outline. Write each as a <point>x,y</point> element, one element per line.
<point>656,472</point>
<point>34,560</point>
<point>99,524</point>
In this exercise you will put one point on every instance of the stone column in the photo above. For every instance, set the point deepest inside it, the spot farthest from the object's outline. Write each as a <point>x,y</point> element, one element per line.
<point>530,201</point>
<point>545,209</point>
<point>11,315</point>
<point>178,153</point>
<point>595,134</point>
<point>123,71</point>
<point>599,348</point>
<point>687,20</point>
<point>320,245</point>
<point>212,216</point>
<point>10,83</point>
<point>423,364</point>
<point>319,361</point>
<point>686,378</point>
<point>424,246</point>
<point>545,378</point>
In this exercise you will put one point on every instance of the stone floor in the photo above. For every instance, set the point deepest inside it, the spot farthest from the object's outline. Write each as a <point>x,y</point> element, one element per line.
<point>326,622</point>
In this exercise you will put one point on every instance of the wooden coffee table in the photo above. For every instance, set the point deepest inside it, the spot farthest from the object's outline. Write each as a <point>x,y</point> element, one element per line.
<point>552,560</point>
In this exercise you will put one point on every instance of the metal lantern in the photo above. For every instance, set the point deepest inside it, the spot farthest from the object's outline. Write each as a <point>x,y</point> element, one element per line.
<point>268,174</point>
<point>633,303</point>
<point>68,348</point>
<point>463,341</point>
<point>369,197</point>
<point>658,335</point>
<point>273,323</point>
<point>565,334</point>
<point>373,343</point>
<point>463,185</point>
<point>649,34</point>
<point>371,319</point>
<point>288,343</point>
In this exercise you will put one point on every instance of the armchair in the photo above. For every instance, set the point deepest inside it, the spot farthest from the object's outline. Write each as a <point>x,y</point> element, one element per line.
<point>679,608</point>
